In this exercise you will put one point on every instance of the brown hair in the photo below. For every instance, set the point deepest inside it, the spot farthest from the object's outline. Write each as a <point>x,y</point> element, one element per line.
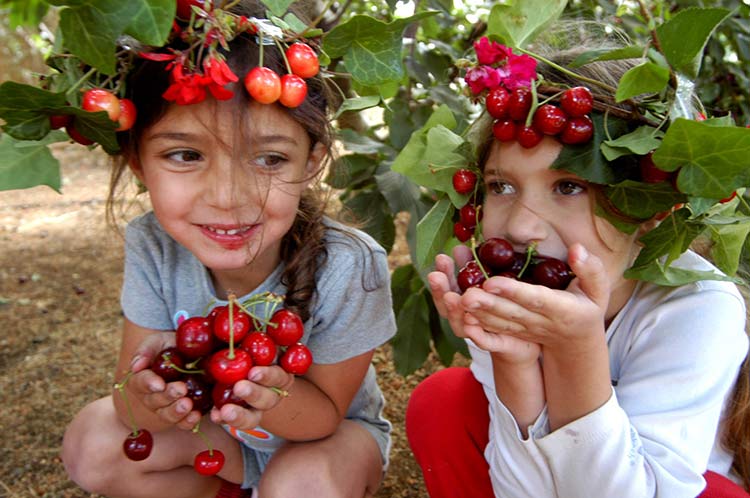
<point>735,426</point>
<point>303,249</point>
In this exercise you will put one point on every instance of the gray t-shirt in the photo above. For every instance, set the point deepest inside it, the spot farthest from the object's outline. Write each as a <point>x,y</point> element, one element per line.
<point>351,314</point>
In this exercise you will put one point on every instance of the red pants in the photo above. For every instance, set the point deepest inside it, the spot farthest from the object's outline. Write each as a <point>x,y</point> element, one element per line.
<point>446,423</point>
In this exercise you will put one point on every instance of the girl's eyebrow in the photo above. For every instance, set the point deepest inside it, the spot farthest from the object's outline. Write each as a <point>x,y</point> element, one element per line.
<point>171,135</point>
<point>274,138</point>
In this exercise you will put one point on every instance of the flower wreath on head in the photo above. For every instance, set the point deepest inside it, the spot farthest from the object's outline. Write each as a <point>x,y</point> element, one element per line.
<point>650,154</point>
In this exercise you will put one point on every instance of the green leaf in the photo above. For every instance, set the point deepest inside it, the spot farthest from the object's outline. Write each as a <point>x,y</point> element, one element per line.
<point>643,200</point>
<point>152,20</point>
<point>90,31</point>
<point>670,238</point>
<point>607,54</point>
<point>641,141</point>
<point>369,209</point>
<point>357,104</point>
<point>28,164</point>
<point>371,49</point>
<point>26,12</point>
<point>728,240</point>
<point>433,231</point>
<point>646,77</point>
<point>519,22</point>
<point>26,109</point>
<point>399,192</point>
<point>586,160</point>
<point>685,35</point>
<point>350,170</point>
<point>401,285</point>
<point>278,7</point>
<point>411,344</point>
<point>714,161</point>
<point>671,276</point>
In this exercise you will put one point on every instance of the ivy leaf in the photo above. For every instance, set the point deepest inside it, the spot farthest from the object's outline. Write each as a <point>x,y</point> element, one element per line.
<point>433,231</point>
<point>371,49</point>
<point>685,35</point>
<point>641,141</point>
<point>714,161</point>
<point>587,160</point>
<point>517,23</point>
<point>26,109</point>
<point>411,344</point>
<point>607,54</point>
<point>643,200</point>
<point>670,238</point>
<point>646,77</point>
<point>152,20</point>
<point>278,7</point>
<point>25,164</point>
<point>728,238</point>
<point>357,104</point>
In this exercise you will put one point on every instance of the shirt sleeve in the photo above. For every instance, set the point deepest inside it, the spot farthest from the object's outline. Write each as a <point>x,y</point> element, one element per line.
<point>654,436</point>
<point>354,310</point>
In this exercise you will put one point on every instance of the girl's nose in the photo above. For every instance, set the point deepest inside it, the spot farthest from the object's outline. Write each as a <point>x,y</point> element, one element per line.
<point>524,226</point>
<point>222,186</point>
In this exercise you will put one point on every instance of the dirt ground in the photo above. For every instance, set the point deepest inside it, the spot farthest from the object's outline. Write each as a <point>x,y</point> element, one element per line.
<point>60,276</point>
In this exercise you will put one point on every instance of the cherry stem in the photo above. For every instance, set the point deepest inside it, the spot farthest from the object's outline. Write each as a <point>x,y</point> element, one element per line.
<point>120,386</point>
<point>529,254</point>
<point>197,430</point>
<point>232,299</point>
<point>476,258</point>
<point>78,83</point>
<point>283,393</point>
<point>567,71</point>
<point>283,56</point>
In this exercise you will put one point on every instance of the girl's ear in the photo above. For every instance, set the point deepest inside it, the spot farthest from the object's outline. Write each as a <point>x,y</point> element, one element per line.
<point>136,168</point>
<point>315,159</point>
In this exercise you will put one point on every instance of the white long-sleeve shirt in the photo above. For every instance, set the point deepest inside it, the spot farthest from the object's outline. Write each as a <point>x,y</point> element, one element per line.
<point>674,356</point>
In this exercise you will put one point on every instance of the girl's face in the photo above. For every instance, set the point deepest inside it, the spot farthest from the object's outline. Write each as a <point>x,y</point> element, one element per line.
<point>228,201</point>
<point>527,202</point>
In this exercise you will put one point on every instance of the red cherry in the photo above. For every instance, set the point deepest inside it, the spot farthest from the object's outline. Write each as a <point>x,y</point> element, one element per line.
<point>195,337</point>
<point>497,102</point>
<point>76,135</point>
<point>470,215</point>
<point>552,273</point>
<point>293,90</point>
<point>261,347</point>
<point>519,103</point>
<point>497,254</point>
<point>464,181</point>
<point>96,100</point>
<point>222,394</point>
<point>199,390</point>
<point>263,85</point>
<point>470,275</point>
<point>504,130</point>
<point>137,446</point>
<point>302,60</point>
<point>228,370</point>
<point>549,119</point>
<point>462,232</point>
<point>296,359</point>
<point>578,130</point>
<point>285,327</point>
<point>165,362</point>
<point>577,101</point>
<point>208,462</point>
<point>184,9</point>
<point>528,137</point>
<point>57,121</point>
<point>241,322</point>
<point>650,173</point>
<point>127,115</point>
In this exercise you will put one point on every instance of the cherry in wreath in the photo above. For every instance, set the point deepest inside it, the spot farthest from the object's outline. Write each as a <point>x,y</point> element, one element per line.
<point>464,181</point>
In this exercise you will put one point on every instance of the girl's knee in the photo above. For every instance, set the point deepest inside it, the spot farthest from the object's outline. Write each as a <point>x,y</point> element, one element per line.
<point>315,478</point>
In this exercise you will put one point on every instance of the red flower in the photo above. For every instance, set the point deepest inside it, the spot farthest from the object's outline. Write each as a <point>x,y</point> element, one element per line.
<point>186,88</point>
<point>481,77</point>
<point>218,71</point>
<point>518,71</point>
<point>489,53</point>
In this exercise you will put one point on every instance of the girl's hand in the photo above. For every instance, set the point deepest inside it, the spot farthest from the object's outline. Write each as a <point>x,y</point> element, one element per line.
<point>561,321</point>
<point>166,400</point>
<point>452,306</point>
<point>265,389</point>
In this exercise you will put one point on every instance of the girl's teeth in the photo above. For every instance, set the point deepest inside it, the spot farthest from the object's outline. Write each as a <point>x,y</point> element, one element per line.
<point>232,231</point>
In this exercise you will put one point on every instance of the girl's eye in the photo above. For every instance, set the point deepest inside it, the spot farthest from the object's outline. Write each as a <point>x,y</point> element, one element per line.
<point>270,162</point>
<point>184,156</point>
<point>568,187</point>
<point>500,187</point>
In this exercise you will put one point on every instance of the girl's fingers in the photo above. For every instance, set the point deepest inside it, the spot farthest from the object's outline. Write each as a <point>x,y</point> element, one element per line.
<point>462,255</point>
<point>236,416</point>
<point>591,276</point>
<point>444,264</point>
<point>439,286</point>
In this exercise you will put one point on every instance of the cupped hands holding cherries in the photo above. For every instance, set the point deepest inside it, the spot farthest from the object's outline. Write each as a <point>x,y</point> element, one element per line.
<point>214,352</point>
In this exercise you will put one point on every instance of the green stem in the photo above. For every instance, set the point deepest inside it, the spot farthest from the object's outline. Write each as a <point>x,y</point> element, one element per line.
<point>197,430</point>
<point>78,83</point>
<point>231,326</point>
<point>568,71</point>
<point>283,56</point>
<point>529,254</point>
<point>120,386</point>
<point>476,258</point>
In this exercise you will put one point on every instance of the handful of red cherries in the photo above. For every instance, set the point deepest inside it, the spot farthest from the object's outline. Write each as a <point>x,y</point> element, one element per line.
<point>215,351</point>
<point>496,257</point>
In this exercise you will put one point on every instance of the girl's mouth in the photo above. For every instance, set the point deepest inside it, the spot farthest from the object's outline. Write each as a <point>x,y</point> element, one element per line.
<point>230,237</point>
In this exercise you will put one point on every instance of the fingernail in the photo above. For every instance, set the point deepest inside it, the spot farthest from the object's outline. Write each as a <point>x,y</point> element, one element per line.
<point>154,388</point>
<point>584,255</point>
<point>230,415</point>
<point>135,360</point>
<point>182,407</point>
<point>256,376</point>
